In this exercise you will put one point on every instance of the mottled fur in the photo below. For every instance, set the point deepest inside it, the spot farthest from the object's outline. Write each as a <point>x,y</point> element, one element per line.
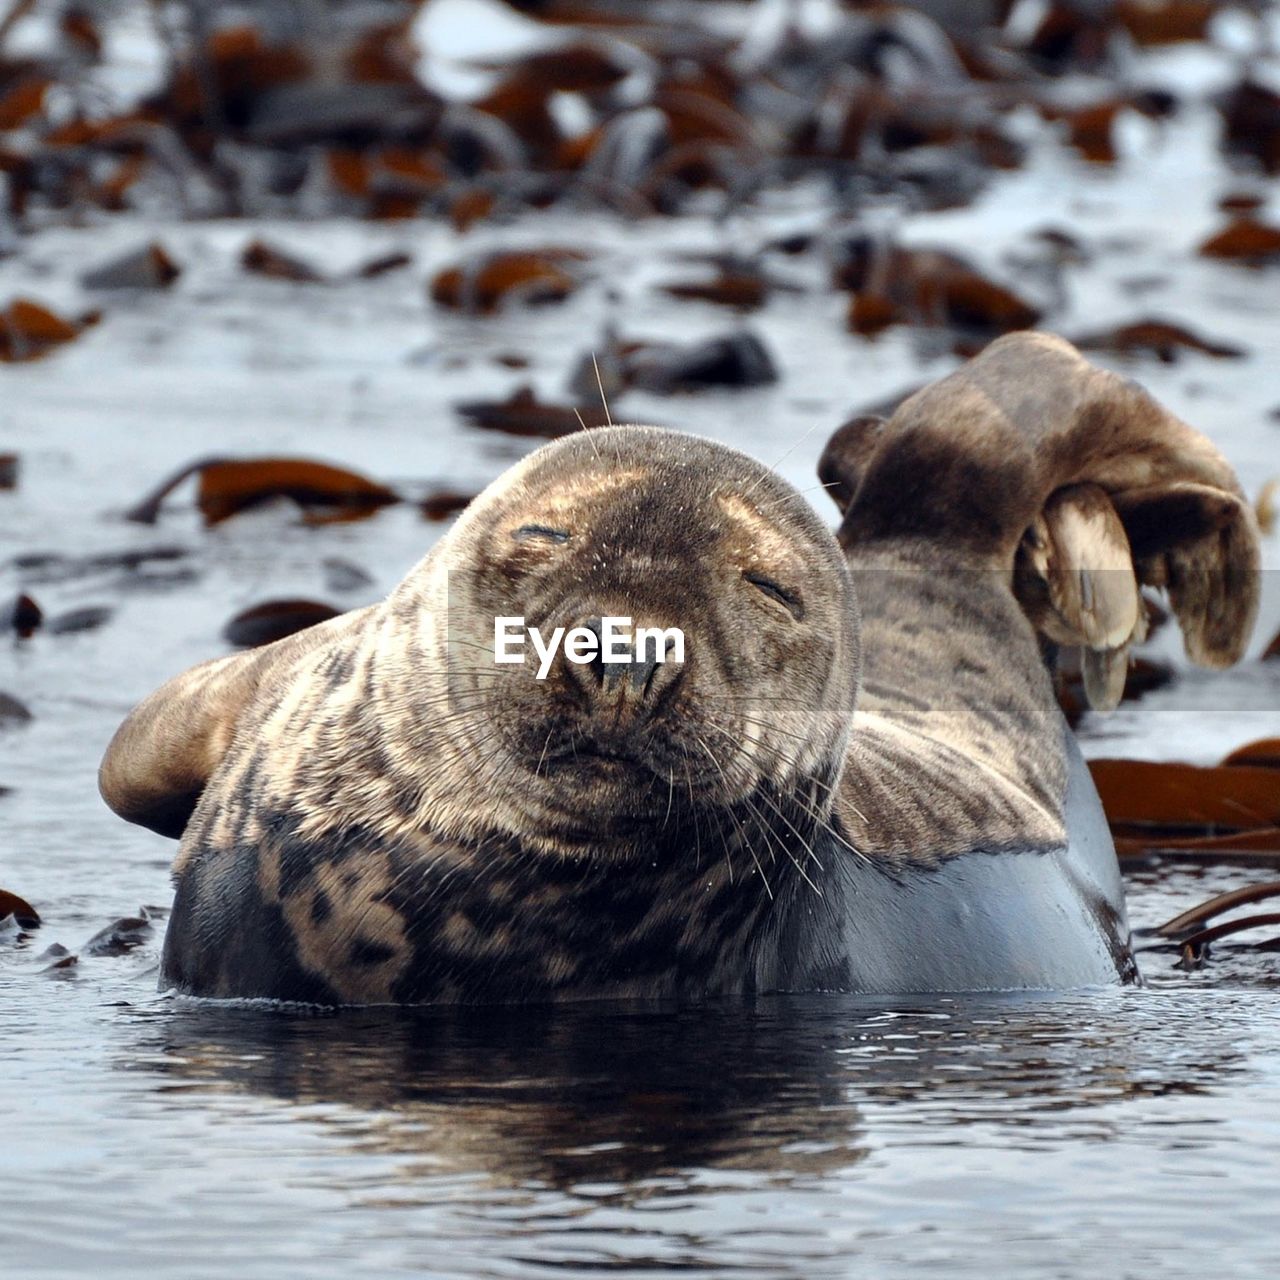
<point>936,503</point>
<point>377,812</point>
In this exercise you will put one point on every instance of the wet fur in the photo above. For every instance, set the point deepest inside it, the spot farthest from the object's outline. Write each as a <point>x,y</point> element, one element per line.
<point>348,840</point>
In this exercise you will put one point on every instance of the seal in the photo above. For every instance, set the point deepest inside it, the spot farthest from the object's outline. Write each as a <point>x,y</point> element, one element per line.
<point>858,779</point>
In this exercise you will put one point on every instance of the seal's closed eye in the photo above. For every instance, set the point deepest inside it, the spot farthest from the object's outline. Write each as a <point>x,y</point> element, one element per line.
<point>788,599</point>
<point>526,532</point>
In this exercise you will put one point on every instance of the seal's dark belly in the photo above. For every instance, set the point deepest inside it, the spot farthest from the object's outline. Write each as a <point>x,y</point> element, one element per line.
<point>983,921</point>
<point>1050,920</point>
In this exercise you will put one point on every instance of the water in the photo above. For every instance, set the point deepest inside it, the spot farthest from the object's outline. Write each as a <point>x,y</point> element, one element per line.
<point>1129,1132</point>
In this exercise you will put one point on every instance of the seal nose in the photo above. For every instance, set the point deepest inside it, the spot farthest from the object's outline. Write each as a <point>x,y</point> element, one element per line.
<point>631,682</point>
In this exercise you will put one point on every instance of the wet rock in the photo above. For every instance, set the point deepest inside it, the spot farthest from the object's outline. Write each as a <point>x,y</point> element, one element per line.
<point>265,87</point>
<point>622,155</point>
<point>743,288</point>
<point>29,330</point>
<point>1171,22</point>
<point>1070,37</point>
<point>444,503</point>
<point>795,244</point>
<point>666,368</point>
<point>227,486</point>
<point>521,101</point>
<point>9,468</point>
<point>580,67</point>
<point>19,910</point>
<point>119,937</point>
<point>481,285</point>
<point>523,414</point>
<point>58,961</point>
<point>141,568</point>
<point>471,206</point>
<point>53,566</point>
<point>735,360</point>
<point>1160,338</point>
<point>344,575</point>
<point>927,287</point>
<point>89,618</point>
<point>383,265</point>
<point>148,267</point>
<point>134,558</point>
<point>274,619</point>
<point>1242,202</point>
<point>262,259</point>
<point>22,615</point>
<point>12,712</point>
<point>295,115</point>
<point>1251,124</point>
<point>1245,240</point>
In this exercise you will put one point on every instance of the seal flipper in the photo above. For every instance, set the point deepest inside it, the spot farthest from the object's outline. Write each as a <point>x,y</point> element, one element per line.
<point>954,746</point>
<point>1030,437</point>
<point>163,755</point>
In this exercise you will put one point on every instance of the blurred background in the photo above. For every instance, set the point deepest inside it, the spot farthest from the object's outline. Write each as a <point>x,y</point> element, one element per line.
<point>283,285</point>
<point>364,255</point>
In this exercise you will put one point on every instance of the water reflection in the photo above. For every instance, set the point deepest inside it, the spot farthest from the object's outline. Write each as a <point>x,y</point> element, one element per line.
<point>787,1090</point>
<point>811,1137</point>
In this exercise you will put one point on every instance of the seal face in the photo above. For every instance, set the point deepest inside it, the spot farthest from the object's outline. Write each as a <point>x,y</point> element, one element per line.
<point>857,778</point>
<point>671,532</point>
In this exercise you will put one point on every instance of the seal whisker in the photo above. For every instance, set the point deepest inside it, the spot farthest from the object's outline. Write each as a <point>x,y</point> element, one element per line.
<point>766,503</point>
<point>771,728</point>
<point>795,831</point>
<point>734,817</point>
<point>831,789</point>
<point>752,697</point>
<point>786,453</point>
<point>590,439</point>
<point>697,826</point>
<point>542,758</point>
<point>769,838</point>
<point>604,400</point>
<point>824,823</point>
<point>808,812</point>
<point>819,817</point>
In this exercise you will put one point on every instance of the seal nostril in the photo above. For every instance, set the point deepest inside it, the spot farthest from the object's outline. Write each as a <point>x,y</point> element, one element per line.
<point>642,674</point>
<point>597,668</point>
<point>631,679</point>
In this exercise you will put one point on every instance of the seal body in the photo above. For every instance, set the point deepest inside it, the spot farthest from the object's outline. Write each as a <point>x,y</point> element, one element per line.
<point>858,780</point>
<point>1050,918</point>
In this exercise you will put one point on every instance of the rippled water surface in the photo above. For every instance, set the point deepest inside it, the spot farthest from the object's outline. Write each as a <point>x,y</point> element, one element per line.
<point>1132,1133</point>
<point>1118,1133</point>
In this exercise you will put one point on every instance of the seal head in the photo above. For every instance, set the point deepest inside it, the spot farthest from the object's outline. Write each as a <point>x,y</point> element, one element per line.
<point>672,532</point>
